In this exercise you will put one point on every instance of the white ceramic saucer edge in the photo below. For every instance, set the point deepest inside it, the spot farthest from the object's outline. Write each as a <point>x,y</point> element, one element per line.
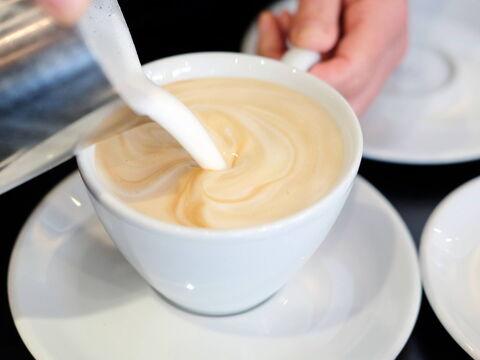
<point>440,311</point>
<point>415,309</point>
<point>36,348</point>
<point>394,158</point>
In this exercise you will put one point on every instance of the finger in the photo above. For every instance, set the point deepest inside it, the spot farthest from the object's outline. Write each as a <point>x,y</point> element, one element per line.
<point>284,19</point>
<point>362,99</point>
<point>271,42</point>
<point>349,72</point>
<point>364,91</point>
<point>364,96</point>
<point>316,25</point>
<point>361,51</point>
<point>333,71</point>
<point>65,11</point>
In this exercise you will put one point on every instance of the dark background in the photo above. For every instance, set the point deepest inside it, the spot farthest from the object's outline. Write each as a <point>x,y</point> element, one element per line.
<point>187,26</point>
<point>184,26</point>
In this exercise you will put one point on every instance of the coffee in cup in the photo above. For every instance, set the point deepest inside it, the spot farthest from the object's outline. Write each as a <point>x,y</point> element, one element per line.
<point>284,152</point>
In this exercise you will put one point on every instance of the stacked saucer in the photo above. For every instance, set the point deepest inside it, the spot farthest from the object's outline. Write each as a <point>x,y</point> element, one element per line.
<point>450,263</point>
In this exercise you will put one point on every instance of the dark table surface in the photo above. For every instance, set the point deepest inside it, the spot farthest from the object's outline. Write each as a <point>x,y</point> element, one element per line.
<point>219,25</point>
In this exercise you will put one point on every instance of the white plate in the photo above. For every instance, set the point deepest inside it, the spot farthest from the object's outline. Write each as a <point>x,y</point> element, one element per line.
<point>73,296</point>
<point>428,112</point>
<point>450,260</point>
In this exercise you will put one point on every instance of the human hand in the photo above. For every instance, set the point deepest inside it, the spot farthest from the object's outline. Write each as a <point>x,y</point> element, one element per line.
<point>64,11</point>
<point>361,42</point>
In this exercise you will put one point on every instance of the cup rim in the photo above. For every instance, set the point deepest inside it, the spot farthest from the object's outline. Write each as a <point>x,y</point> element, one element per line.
<point>133,217</point>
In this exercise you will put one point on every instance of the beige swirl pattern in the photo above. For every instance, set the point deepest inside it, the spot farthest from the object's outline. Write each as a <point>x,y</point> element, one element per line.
<point>284,153</point>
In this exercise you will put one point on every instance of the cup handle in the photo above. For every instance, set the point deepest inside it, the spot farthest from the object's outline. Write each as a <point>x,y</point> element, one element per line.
<point>302,59</point>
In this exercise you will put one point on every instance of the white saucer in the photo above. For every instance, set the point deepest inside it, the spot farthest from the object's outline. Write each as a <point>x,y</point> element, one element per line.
<point>450,259</point>
<point>427,112</point>
<point>73,296</point>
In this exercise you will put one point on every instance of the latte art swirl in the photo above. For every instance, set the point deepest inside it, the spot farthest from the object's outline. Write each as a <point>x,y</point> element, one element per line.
<point>283,150</point>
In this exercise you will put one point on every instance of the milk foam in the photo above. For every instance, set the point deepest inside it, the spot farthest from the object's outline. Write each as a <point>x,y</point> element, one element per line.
<point>284,153</point>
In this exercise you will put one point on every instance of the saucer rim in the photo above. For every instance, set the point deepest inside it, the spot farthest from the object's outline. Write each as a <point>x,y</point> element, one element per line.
<point>39,351</point>
<point>435,301</point>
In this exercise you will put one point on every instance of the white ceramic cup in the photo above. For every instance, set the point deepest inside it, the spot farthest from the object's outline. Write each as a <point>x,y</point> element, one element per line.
<point>213,271</point>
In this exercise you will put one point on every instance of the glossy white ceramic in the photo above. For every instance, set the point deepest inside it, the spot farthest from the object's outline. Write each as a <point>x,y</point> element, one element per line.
<point>105,32</point>
<point>227,271</point>
<point>428,111</point>
<point>73,295</point>
<point>450,263</point>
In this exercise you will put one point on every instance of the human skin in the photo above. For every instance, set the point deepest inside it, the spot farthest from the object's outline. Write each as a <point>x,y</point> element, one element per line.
<point>66,12</point>
<point>361,42</point>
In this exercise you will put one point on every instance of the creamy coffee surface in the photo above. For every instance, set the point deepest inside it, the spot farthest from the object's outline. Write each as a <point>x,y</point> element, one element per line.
<point>284,153</point>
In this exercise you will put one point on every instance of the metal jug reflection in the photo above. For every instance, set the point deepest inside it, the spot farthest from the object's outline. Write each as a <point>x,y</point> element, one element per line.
<point>48,81</point>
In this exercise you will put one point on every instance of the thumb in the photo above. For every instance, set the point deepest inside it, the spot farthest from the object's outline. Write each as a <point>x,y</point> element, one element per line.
<point>316,25</point>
